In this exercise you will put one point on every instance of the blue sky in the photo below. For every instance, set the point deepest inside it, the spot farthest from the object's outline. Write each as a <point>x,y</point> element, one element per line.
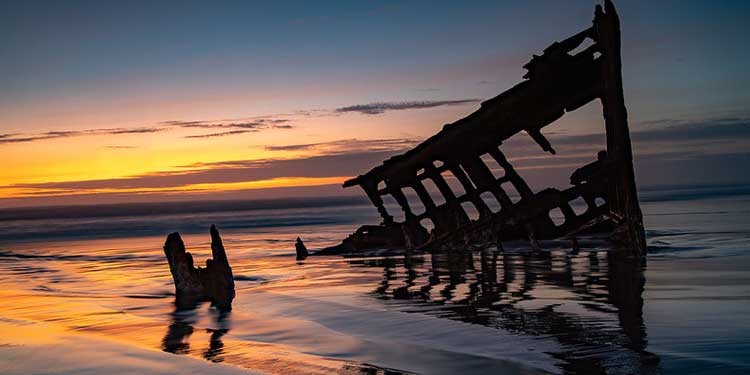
<point>74,66</point>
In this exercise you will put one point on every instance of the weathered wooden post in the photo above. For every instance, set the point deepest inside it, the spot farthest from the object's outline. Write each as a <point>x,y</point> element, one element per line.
<point>214,283</point>
<point>301,249</point>
<point>622,194</point>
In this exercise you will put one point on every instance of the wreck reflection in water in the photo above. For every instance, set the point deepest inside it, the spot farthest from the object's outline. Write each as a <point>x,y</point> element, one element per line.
<point>590,302</point>
<point>181,327</point>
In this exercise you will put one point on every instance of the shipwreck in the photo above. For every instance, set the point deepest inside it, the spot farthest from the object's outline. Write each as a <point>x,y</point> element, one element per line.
<point>556,82</point>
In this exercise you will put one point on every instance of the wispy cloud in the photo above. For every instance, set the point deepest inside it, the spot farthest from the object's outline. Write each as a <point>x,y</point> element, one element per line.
<point>129,131</point>
<point>120,147</point>
<point>349,145</point>
<point>236,126</point>
<point>241,126</point>
<point>674,146</point>
<point>255,124</point>
<point>381,107</point>
<point>691,138</point>
<point>20,138</point>
<point>672,133</point>
<point>692,129</point>
<point>220,134</point>
<point>246,126</point>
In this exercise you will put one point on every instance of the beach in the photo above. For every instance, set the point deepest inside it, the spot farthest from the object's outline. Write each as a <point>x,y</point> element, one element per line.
<point>92,293</point>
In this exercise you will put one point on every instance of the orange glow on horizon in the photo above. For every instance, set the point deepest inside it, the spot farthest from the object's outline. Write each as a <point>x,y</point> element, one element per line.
<point>191,188</point>
<point>172,151</point>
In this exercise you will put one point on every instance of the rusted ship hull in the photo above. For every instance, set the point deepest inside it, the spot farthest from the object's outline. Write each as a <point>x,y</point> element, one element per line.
<point>556,82</point>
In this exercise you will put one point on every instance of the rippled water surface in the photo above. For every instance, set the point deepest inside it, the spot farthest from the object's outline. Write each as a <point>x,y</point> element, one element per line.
<point>88,294</point>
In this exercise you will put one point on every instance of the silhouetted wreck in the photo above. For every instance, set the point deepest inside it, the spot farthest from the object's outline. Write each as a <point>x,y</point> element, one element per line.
<point>301,249</point>
<point>555,83</point>
<point>215,283</point>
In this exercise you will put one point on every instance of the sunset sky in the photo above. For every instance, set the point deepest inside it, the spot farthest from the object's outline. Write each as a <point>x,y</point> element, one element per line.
<point>105,101</point>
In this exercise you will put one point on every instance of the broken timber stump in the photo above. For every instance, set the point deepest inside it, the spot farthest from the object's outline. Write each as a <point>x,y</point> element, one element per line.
<point>371,237</point>
<point>214,283</point>
<point>560,80</point>
<point>301,249</point>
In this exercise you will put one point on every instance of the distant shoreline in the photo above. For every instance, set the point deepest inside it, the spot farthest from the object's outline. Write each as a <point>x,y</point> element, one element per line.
<point>201,206</point>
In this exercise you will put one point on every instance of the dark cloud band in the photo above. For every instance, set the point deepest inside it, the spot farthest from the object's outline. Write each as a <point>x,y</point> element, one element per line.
<point>382,107</point>
<point>220,134</point>
<point>19,138</point>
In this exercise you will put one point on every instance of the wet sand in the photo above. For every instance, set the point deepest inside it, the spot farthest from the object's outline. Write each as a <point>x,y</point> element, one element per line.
<point>107,305</point>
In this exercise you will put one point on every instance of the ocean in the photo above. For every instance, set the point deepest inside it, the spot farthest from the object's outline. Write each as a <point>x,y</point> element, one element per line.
<point>88,290</point>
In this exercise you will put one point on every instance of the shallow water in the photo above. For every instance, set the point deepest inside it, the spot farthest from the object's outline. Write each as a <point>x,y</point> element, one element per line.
<point>99,286</point>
